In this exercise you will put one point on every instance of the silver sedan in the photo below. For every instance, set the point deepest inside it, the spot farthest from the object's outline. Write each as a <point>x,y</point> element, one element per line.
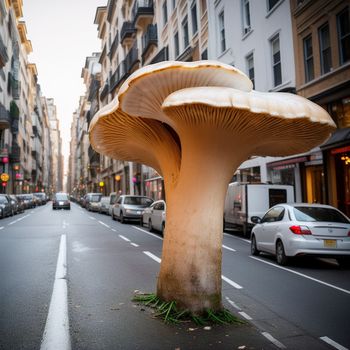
<point>288,230</point>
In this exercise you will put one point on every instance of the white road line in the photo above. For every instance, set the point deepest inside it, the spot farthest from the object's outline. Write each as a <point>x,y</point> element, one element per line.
<point>149,233</point>
<point>102,223</point>
<point>233,284</point>
<point>273,340</point>
<point>228,248</point>
<point>56,333</point>
<point>241,239</point>
<point>152,256</point>
<point>333,343</point>
<point>114,230</point>
<point>134,244</point>
<point>246,316</point>
<point>92,218</point>
<point>233,304</point>
<point>302,275</point>
<point>12,222</point>
<point>1,227</point>
<point>125,239</point>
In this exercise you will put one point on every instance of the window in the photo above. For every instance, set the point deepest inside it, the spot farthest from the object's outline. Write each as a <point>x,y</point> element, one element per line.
<point>165,13</point>
<point>276,61</point>
<point>325,49</point>
<point>308,59</point>
<point>174,4</point>
<point>273,215</point>
<point>250,67</point>
<point>185,32</point>
<point>271,4</point>
<point>343,24</point>
<point>194,18</point>
<point>222,31</point>
<point>176,44</point>
<point>246,17</point>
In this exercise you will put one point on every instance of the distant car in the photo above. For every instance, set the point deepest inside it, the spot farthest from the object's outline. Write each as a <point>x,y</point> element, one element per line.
<point>289,230</point>
<point>14,203</point>
<point>61,201</point>
<point>154,216</point>
<point>20,203</point>
<point>28,200</point>
<point>129,207</point>
<point>93,201</point>
<point>5,206</point>
<point>104,205</point>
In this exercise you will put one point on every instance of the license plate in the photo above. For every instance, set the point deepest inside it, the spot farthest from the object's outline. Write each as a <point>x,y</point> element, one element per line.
<point>330,243</point>
<point>139,212</point>
<point>60,203</point>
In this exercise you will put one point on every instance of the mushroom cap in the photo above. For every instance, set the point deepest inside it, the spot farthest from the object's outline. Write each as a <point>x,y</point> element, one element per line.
<point>278,124</point>
<point>143,93</point>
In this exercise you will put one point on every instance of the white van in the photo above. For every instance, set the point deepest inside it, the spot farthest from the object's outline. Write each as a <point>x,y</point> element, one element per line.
<point>244,200</point>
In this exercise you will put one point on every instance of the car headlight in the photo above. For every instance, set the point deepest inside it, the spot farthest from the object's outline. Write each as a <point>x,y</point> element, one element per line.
<point>128,211</point>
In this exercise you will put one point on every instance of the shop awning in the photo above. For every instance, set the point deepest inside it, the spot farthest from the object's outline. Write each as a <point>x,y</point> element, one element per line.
<point>339,138</point>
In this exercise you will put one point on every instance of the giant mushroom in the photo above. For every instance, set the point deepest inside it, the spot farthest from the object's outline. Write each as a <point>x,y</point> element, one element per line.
<point>201,120</point>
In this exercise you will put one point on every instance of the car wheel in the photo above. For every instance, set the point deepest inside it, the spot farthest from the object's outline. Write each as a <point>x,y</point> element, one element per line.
<point>253,249</point>
<point>150,225</point>
<point>223,225</point>
<point>280,254</point>
<point>113,217</point>
<point>121,218</point>
<point>344,262</point>
<point>163,228</point>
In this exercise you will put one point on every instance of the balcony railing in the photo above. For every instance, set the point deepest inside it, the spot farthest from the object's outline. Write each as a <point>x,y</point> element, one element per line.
<point>148,39</point>
<point>142,9</point>
<point>114,46</point>
<point>104,91</point>
<point>132,58</point>
<point>162,55</point>
<point>15,86</point>
<point>3,54</point>
<point>4,117</point>
<point>118,76</point>
<point>128,31</point>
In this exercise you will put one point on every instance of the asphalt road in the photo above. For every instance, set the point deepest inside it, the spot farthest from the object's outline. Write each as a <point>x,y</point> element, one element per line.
<point>303,306</point>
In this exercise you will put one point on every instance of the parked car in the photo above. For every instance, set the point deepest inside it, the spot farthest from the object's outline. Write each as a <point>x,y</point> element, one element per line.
<point>61,201</point>
<point>20,203</point>
<point>154,216</point>
<point>289,230</point>
<point>113,196</point>
<point>14,203</point>
<point>129,207</point>
<point>5,206</point>
<point>104,205</point>
<point>92,201</point>
<point>28,199</point>
<point>41,196</point>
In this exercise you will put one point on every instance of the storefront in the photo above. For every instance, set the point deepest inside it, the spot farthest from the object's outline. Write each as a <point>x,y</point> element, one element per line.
<point>336,152</point>
<point>153,184</point>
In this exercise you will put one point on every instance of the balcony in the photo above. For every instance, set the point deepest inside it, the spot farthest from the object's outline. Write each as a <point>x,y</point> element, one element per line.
<point>149,39</point>
<point>3,54</point>
<point>162,55</point>
<point>94,158</point>
<point>4,117</point>
<point>114,46</point>
<point>15,86</point>
<point>15,155</point>
<point>132,58</point>
<point>118,76</point>
<point>127,33</point>
<point>104,91</point>
<point>142,13</point>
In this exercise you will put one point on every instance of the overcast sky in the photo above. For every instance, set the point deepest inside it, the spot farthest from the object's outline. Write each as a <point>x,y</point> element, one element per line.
<point>63,34</point>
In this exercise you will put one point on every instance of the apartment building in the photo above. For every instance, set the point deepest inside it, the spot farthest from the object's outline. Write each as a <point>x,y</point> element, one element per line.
<point>321,32</point>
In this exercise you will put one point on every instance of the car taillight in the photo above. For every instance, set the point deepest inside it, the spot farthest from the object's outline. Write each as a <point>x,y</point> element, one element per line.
<point>300,230</point>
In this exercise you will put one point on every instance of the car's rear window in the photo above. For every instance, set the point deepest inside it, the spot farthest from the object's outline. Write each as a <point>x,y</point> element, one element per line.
<point>95,198</point>
<point>3,200</point>
<point>319,214</point>
<point>141,201</point>
<point>61,197</point>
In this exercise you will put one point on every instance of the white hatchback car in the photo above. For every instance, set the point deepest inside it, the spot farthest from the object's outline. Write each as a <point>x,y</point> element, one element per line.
<point>288,230</point>
<point>154,216</point>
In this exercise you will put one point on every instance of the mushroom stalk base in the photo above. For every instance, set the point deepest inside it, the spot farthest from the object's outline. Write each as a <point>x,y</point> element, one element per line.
<point>190,271</point>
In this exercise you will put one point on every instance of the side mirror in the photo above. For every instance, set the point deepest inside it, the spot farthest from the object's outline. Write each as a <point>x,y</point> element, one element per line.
<point>255,219</point>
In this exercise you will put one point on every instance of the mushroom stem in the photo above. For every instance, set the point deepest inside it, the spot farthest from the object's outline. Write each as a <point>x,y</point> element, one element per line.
<point>190,270</point>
